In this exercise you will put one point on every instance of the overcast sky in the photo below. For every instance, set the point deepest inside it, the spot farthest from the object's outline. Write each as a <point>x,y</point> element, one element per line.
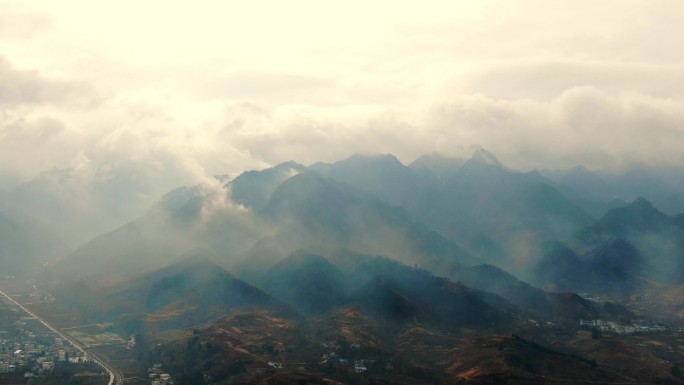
<point>174,91</point>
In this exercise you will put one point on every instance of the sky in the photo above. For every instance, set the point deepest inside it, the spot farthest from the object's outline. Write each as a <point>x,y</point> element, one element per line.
<point>157,94</point>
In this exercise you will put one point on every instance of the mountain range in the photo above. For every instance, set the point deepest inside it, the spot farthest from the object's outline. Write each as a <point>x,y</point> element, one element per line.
<point>368,253</point>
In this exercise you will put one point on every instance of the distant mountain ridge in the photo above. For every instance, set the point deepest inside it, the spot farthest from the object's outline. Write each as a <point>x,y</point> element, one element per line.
<point>444,270</point>
<point>627,246</point>
<point>441,214</point>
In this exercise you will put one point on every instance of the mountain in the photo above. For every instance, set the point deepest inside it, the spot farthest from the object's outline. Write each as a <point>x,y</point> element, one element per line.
<point>483,157</point>
<point>254,188</point>
<point>370,271</point>
<point>437,166</point>
<point>349,206</point>
<point>433,301</point>
<point>187,293</point>
<point>307,281</point>
<point>614,268</point>
<point>663,186</point>
<point>515,360</point>
<point>541,211</point>
<point>560,269</point>
<point>61,209</point>
<point>383,175</point>
<point>419,194</point>
<point>673,204</point>
<point>583,181</point>
<point>638,216</point>
<point>494,280</point>
<point>519,211</point>
<point>386,300</point>
<point>324,212</point>
<point>401,323</point>
<point>618,254</point>
<point>235,349</point>
<point>385,287</point>
<point>184,220</point>
<point>656,237</point>
<point>484,187</point>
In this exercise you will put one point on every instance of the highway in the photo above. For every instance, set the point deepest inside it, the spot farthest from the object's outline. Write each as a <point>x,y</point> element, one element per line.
<point>115,376</point>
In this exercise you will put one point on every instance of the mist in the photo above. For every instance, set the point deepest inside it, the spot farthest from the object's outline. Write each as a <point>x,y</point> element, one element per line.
<point>433,192</point>
<point>111,125</point>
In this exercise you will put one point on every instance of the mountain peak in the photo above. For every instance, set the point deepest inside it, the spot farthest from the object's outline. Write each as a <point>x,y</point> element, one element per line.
<point>640,215</point>
<point>367,158</point>
<point>580,169</point>
<point>254,188</point>
<point>639,206</point>
<point>641,203</point>
<point>480,155</point>
<point>437,165</point>
<point>290,164</point>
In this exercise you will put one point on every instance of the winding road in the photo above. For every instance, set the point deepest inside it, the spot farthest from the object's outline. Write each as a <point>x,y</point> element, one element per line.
<point>115,376</point>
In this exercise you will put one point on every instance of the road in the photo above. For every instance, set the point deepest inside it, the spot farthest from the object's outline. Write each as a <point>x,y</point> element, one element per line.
<point>115,376</point>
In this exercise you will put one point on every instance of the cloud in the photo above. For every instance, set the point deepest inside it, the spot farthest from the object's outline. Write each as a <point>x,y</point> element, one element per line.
<point>255,85</point>
<point>582,125</point>
<point>545,78</point>
<point>23,87</point>
<point>16,21</point>
<point>153,106</point>
<point>21,129</point>
<point>104,108</point>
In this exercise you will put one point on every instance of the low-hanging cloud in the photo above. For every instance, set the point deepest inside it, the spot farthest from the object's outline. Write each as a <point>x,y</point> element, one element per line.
<point>583,125</point>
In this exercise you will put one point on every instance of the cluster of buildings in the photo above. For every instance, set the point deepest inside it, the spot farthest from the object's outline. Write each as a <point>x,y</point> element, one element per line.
<point>536,323</point>
<point>360,366</point>
<point>636,327</point>
<point>158,377</point>
<point>332,355</point>
<point>30,348</point>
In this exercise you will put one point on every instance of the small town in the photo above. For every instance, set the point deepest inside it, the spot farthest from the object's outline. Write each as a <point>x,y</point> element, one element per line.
<point>27,346</point>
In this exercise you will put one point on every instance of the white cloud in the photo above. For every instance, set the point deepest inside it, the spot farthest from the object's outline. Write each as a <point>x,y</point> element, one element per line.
<point>156,95</point>
<point>545,78</point>
<point>582,125</point>
<point>21,87</point>
<point>18,22</point>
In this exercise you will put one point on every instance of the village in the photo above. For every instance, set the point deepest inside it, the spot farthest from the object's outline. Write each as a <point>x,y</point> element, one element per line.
<point>28,346</point>
<point>632,328</point>
<point>340,357</point>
